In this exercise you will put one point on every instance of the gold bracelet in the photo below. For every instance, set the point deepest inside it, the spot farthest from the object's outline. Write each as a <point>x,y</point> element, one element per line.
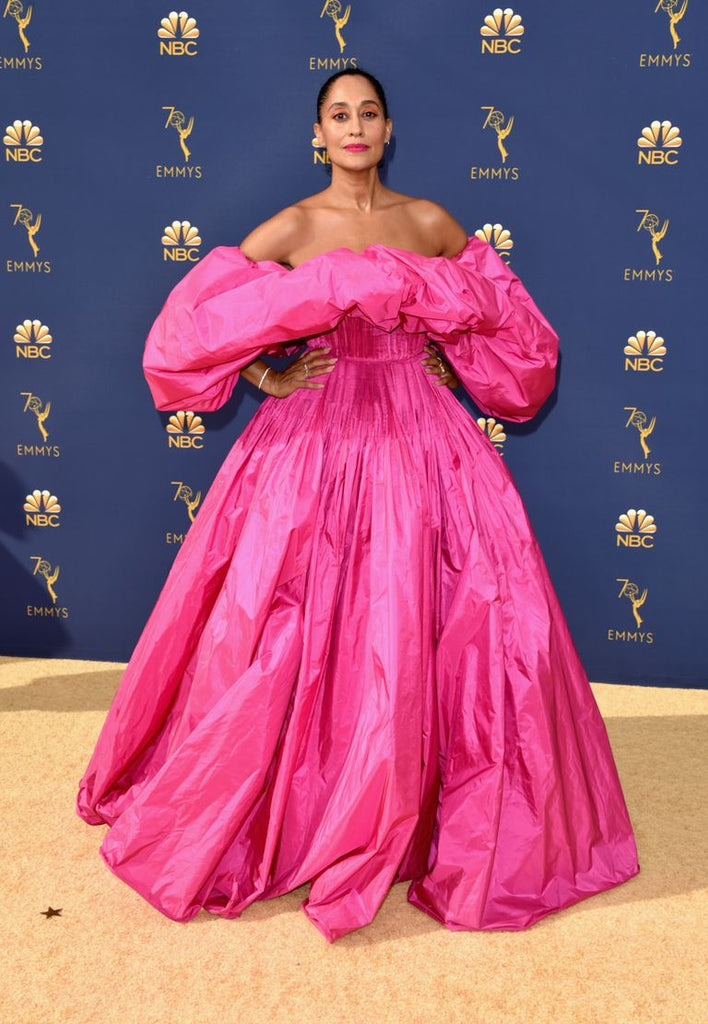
<point>263,377</point>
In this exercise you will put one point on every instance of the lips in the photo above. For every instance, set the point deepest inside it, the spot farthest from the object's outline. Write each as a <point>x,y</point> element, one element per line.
<point>356,147</point>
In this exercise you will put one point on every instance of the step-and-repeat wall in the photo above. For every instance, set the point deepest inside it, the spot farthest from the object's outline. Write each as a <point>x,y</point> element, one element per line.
<point>136,138</point>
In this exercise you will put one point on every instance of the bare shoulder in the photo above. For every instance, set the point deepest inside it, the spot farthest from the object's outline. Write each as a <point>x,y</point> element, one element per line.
<point>437,222</point>
<point>275,237</point>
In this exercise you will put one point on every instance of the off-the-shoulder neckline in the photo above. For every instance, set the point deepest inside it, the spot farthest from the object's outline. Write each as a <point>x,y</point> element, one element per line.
<point>362,252</point>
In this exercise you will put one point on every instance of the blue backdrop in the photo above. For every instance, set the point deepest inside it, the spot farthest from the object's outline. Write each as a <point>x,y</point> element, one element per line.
<point>572,137</point>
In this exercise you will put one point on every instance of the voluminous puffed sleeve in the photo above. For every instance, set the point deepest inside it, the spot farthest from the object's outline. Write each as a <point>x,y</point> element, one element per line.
<point>228,309</point>
<point>208,329</point>
<point>499,343</point>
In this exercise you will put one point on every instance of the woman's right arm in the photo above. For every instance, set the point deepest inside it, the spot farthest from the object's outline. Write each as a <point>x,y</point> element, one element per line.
<point>276,237</point>
<point>268,241</point>
<point>273,240</point>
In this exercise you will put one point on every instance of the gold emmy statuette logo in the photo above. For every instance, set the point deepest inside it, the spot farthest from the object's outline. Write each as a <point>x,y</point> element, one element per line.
<point>637,598</point>
<point>43,568</point>
<point>333,9</point>
<point>495,120</point>
<point>501,31</point>
<point>176,119</point>
<point>638,419</point>
<point>644,351</point>
<point>674,10</point>
<point>631,592</point>
<point>23,143</point>
<point>180,242</point>
<point>185,430</point>
<point>24,217</point>
<point>32,340</point>
<point>635,528</point>
<point>178,34</point>
<point>644,427</point>
<point>33,403</point>
<point>14,9</point>
<point>494,431</point>
<point>659,144</point>
<point>41,509</point>
<point>185,494</point>
<point>650,223</point>
<point>497,236</point>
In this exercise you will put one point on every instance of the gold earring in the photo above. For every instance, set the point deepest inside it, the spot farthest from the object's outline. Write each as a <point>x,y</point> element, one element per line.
<point>316,144</point>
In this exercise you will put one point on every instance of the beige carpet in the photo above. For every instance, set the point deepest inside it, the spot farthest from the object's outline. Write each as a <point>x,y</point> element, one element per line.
<point>635,953</point>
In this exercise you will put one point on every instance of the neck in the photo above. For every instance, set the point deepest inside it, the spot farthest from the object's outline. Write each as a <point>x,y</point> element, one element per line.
<point>359,190</point>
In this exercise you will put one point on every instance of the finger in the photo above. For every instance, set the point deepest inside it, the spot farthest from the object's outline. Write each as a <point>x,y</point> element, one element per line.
<point>318,365</point>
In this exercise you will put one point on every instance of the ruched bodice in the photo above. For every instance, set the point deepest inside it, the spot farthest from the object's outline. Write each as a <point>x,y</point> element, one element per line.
<point>354,338</point>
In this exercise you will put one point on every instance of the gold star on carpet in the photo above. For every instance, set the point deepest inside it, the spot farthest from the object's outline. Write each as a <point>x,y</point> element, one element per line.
<point>51,912</point>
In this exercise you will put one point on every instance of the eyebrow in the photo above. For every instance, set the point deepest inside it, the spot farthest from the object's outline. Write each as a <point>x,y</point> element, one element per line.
<point>341,103</point>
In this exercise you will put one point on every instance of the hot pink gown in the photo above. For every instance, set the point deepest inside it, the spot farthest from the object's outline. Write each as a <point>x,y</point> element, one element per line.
<point>357,671</point>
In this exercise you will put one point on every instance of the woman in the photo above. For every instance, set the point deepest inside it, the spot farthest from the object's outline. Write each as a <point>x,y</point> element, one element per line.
<point>357,672</point>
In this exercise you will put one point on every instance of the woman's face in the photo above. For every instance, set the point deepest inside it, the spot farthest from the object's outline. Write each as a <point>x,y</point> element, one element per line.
<point>353,116</point>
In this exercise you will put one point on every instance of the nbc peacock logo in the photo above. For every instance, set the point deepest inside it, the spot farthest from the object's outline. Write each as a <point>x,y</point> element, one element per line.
<point>33,340</point>
<point>635,528</point>
<point>493,430</point>
<point>185,430</point>
<point>178,34</point>
<point>180,242</point>
<point>499,237</point>
<point>501,32</point>
<point>23,143</point>
<point>658,144</point>
<point>644,352</point>
<point>41,509</point>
